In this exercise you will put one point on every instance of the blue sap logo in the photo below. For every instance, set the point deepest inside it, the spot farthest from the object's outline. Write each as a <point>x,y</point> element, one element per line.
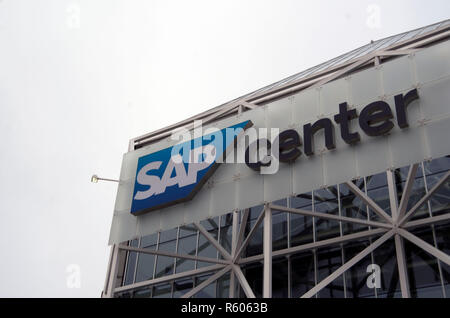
<point>173,175</point>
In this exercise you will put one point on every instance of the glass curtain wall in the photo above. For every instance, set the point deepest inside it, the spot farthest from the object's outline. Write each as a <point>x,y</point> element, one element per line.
<point>295,274</point>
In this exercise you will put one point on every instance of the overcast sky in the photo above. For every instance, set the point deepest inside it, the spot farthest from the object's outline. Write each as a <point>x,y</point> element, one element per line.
<point>78,79</point>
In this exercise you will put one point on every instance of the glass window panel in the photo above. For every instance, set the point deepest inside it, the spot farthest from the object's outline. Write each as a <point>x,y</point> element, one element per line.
<point>434,291</point>
<point>226,228</point>
<point>162,291</point>
<point>211,224</point>
<point>440,200</point>
<point>381,197</point>
<point>302,200</point>
<point>385,256</point>
<point>149,240</point>
<point>359,183</point>
<point>423,272</point>
<point>417,192</point>
<point>146,262</point>
<point>205,248</point>
<point>437,165</point>
<point>326,201</point>
<point>327,228</point>
<point>255,245</point>
<point>279,230</point>
<point>302,272</point>
<point>443,244</point>
<point>223,286</point>
<point>187,230</point>
<point>282,202</point>
<point>254,275</point>
<point>329,260</point>
<point>301,227</point>
<point>182,286</point>
<point>164,264</point>
<point>356,276</point>
<point>255,212</point>
<point>123,295</point>
<point>280,281</point>
<point>207,292</point>
<point>168,235</point>
<point>322,195</point>
<point>403,172</point>
<point>240,291</point>
<point>353,207</point>
<point>186,245</point>
<point>226,237</point>
<point>226,219</point>
<point>131,264</point>
<point>143,293</point>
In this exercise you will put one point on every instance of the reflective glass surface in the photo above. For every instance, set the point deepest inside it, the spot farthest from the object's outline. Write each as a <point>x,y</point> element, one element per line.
<point>205,248</point>
<point>187,245</point>
<point>146,262</point>
<point>296,273</point>
<point>131,264</point>
<point>301,227</point>
<point>207,292</point>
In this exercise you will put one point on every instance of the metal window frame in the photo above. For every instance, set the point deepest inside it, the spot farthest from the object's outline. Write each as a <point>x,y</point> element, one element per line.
<point>398,228</point>
<point>399,223</point>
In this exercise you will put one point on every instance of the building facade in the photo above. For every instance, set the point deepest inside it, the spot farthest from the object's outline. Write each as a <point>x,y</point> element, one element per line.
<point>365,212</point>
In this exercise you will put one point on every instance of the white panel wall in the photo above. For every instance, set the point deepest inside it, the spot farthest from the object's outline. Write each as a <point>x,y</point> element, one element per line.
<point>235,186</point>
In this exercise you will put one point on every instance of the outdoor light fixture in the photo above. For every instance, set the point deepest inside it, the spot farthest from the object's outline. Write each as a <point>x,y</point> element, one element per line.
<point>95,178</point>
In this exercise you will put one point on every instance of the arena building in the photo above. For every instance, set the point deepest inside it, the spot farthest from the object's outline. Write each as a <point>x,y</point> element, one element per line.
<point>359,205</point>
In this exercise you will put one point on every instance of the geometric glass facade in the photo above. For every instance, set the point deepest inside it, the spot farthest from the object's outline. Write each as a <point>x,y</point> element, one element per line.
<point>384,234</point>
<point>322,233</point>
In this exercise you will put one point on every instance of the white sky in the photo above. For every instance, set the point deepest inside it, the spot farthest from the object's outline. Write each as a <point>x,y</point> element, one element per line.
<point>78,79</point>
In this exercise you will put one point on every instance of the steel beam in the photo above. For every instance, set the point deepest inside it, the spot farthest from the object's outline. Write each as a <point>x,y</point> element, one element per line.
<point>407,190</point>
<point>234,239</point>
<point>393,201</point>
<point>174,255</point>
<point>369,249</point>
<point>112,280</point>
<point>424,199</point>
<point>330,216</point>
<point>105,288</point>
<point>426,221</point>
<point>425,246</point>
<point>397,52</point>
<point>375,207</point>
<point>169,278</point>
<point>250,235</point>
<point>267,248</point>
<point>242,229</point>
<point>243,281</point>
<point>315,245</point>
<point>204,284</point>
<point>213,241</point>
<point>401,264</point>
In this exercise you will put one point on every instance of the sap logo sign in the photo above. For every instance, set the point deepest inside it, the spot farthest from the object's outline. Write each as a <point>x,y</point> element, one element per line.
<point>175,167</point>
<point>175,174</point>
